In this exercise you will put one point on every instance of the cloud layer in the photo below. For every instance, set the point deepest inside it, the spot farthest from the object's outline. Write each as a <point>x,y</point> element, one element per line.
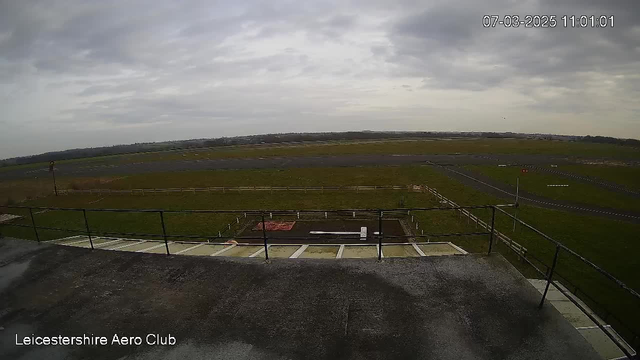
<point>77,73</point>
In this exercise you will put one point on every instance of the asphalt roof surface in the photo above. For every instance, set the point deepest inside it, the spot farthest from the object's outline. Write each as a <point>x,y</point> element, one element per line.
<point>449,307</point>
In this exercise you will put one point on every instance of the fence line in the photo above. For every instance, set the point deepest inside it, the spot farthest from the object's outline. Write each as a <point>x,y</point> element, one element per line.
<point>519,249</point>
<point>224,189</point>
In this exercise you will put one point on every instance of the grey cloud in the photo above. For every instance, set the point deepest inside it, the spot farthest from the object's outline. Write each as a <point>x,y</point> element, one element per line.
<point>243,66</point>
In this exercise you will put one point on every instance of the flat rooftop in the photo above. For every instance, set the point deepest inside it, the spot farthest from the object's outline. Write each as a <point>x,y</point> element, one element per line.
<point>446,307</point>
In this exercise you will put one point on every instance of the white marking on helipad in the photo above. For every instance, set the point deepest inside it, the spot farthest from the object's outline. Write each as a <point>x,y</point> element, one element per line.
<point>299,252</point>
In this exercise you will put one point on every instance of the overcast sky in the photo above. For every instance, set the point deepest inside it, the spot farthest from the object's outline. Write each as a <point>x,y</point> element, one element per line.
<point>93,73</point>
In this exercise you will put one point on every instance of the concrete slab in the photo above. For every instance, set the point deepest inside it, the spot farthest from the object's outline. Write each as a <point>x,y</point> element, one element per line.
<point>447,307</point>
<point>438,249</point>
<point>552,294</point>
<point>320,252</point>
<point>281,251</point>
<point>601,343</point>
<point>572,313</point>
<point>205,250</point>
<point>399,251</point>
<point>243,251</point>
<point>360,252</point>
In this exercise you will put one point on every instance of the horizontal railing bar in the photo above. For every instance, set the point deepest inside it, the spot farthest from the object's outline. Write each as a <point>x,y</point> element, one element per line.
<point>248,211</point>
<point>583,259</point>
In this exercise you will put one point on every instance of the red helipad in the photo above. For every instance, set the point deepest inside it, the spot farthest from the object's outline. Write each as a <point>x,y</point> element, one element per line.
<point>275,225</point>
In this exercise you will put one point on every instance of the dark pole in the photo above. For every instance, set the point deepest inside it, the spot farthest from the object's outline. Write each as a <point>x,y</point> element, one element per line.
<point>164,232</point>
<point>379,234</point>
<point>55,187</point>
<point>33,222</point>
<point>264,236</point>
<point>549,276</point>
<point>493,221</point>
<point>86,224</point>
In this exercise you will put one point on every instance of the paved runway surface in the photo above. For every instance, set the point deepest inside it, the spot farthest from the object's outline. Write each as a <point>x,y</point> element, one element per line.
<point>507,192</point>
<point>80,169</point>
<point>451,307</point>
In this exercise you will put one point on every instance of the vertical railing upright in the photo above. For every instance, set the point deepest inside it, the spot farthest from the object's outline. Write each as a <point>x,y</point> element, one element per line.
<point>264,237</point>
<point>86,225</point>
<point>164,232</point>
<point>33,222</point>
<point>550,276</point>
<point>380,235</point>
<point>493,221</point>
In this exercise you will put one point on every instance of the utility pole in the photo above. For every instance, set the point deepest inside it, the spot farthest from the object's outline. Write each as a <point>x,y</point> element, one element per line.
<point>515,215</point>
<point>52,170</point>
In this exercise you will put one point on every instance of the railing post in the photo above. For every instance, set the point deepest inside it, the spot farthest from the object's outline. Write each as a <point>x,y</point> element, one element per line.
<point>33,222</point>
<point>493,221</point>
<point>164,232</point>
<point>380,235</point>
<point>549,276</point>
<point>86,225</point>
<point>264,236</point>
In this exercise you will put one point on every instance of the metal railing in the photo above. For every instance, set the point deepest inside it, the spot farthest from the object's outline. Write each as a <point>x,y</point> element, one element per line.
<point>224,189</point>
<point>551,271</point>
<point>378,214</point>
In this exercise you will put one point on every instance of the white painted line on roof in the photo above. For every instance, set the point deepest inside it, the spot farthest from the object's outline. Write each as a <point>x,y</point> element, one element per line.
<point>66,238</point>
<point>223,250</point>
<point>592,327</point>
<point>417,249</point>
<point>153,247</point>
<point>340,251</point>
<point>124,246</point>
<point>75,242</point>
<point>259,252</point>
<point>457,248</point>
<point>188,249</point>
<point>106,243</point>
<point>299,252</point>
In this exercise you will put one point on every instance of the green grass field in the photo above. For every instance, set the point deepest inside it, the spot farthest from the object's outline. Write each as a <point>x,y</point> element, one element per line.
<point>626,176</point>
<point>577,192</point>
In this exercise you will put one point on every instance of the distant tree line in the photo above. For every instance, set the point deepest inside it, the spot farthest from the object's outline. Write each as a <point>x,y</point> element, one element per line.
<point>610,140</point>
<point>288,138</point>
